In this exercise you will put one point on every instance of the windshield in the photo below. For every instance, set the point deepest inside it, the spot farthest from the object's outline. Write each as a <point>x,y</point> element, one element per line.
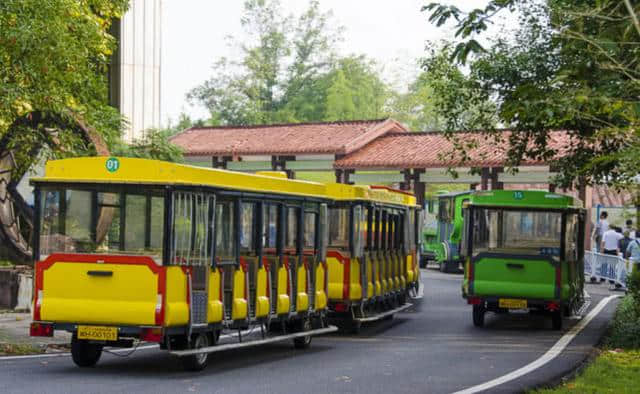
<point>516,232</point>
<point>90,221</point>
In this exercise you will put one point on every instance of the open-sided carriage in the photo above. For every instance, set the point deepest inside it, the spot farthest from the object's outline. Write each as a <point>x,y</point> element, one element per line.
<point>524,251</point>
<point>140,249</point>
<point>372,256</point>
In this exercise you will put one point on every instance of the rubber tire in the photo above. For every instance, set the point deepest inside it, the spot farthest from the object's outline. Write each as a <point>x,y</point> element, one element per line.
<point>556,320</point>
<point>85,354</point>
<point>443,266</point>
<point>478,315</point>
<point>355,327</point>
<point>303,342</point>
<point>197,362</point>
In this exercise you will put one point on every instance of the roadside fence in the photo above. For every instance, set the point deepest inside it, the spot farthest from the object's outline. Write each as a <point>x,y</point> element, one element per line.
<point>606,267</point>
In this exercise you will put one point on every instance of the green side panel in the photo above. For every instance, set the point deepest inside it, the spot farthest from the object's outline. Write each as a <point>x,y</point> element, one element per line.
<point>493,277</point>
<point>524,198</point>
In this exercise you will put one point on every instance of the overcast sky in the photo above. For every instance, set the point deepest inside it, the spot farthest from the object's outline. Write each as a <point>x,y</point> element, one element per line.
<point>391,32</point>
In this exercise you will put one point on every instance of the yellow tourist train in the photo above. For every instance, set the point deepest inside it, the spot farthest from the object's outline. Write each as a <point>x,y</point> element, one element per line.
<point>134,249</point>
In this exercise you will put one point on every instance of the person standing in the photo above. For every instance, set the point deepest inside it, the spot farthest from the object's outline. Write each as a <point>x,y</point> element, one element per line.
<point>624,242</point>
<point>629,227</point>
<point>633,250</point>
<point>610,240</point>
<point>601,227</point>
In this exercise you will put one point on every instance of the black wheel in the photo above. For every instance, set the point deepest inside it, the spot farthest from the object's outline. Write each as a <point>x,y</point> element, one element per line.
<point>443,266</point>
<point>556,320</point>
<point>478,315</point>
<point>197,362</point>
<point>356,326</point>
<point>85,354</point>
<point>566,310</point>
<point>303,342</point>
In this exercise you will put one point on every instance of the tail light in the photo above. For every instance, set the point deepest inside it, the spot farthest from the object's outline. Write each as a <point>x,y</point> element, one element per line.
<point>41,330</point>
<point>341,307</point>
<point>474,301</point>
<point>551,306</point>
<point>152,335</point>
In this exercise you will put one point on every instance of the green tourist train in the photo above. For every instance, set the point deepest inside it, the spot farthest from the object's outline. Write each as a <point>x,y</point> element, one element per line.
<point>523,250</point>
<point>442,232</point>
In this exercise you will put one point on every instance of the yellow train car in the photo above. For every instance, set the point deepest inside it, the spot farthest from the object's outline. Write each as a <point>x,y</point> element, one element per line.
<point>372,253</point>
<point>133,249</point>
<point>140,249</point>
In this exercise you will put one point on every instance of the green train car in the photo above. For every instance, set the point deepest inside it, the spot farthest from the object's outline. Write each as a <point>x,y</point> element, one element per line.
<point>523,251</point>
<point>443,233</point>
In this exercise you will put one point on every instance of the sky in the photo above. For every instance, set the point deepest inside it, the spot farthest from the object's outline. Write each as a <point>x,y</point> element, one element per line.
<point>393,33</point>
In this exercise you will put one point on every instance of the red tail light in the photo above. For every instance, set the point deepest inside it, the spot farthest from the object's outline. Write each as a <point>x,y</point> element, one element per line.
<point>341,307</point>
<point>474,301</point>
<point>151,335</point>
<point>551,306</point>
<point>41,330</point>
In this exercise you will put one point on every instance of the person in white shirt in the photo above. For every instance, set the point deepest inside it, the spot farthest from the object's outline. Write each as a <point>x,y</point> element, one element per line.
<point>629,227</point>
<point>599,229</point>
<point>610,240</point>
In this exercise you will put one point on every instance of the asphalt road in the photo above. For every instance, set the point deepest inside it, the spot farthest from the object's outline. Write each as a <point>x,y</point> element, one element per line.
<point>433,348</point>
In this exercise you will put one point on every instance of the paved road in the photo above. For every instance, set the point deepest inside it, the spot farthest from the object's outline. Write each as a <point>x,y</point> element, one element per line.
<point>434,348</point>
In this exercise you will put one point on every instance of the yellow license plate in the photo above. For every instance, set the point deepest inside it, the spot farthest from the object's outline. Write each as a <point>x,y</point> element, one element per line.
<point>98,333</point>
<point>510,303</point>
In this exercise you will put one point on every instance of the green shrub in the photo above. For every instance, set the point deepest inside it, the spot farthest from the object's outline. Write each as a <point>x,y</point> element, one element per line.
<point>625,329</point>
<point>633,285</point>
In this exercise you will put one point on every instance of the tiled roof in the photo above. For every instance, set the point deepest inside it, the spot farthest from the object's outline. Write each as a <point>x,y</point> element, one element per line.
<point>284,139</point>
<point>434,150</point>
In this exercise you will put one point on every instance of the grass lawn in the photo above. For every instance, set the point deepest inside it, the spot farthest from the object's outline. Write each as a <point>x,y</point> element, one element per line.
<point>611,372</point>
<point>617,367</point>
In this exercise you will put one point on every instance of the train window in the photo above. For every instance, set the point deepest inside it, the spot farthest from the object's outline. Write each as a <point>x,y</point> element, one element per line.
<point>87,221</point>
<point>310,230</point>
<point>225,232</point>
<point>444,210</point>
<point>292,228</point>
<point>339,227</point>
<point>191,225</point>
<point>247,225</point>
<point>270,226</point>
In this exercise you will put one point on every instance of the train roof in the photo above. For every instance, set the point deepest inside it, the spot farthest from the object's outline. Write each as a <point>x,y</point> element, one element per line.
<point>524,198</point>
<point>123,170</point>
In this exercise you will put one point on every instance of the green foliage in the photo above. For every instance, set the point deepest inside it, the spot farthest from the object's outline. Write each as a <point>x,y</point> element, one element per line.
<point>288,72</point>
<point>54,56</point>
<point>572,66</point>
<point>154,145</point>
<point>625,329</point>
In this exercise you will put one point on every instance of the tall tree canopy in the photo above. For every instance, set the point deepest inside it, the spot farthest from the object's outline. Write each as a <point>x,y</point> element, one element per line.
<point>572,66</point>
<point>288,71</point>
<point>54,57</point>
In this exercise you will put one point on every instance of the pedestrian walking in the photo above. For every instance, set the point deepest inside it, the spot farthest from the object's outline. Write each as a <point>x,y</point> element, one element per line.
<point>610,240</point>
<point>629,227</point>
<point>624,242</point>
<point>601,227</point>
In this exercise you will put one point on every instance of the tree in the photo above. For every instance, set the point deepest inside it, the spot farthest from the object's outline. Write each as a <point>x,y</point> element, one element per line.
<point>443,98</point>
<point>54,57</point>
<point>289,72</point>
<point>572,66</point>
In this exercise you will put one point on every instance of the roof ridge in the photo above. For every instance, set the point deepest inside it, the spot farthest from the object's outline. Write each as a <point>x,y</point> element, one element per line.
<point>260,126</point>
<point>441,132</point>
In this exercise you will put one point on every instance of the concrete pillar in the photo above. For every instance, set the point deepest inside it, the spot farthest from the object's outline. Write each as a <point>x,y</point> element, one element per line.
<point>495,183</point>
<point>339,176</point>
<point>406,185</point>
<point>484,178</point>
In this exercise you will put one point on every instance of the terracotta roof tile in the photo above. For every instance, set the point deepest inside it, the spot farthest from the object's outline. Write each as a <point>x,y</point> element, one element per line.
<point>284,139</point>
<point>434,150</point>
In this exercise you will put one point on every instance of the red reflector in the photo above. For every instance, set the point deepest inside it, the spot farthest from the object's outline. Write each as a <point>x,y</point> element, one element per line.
<point>151,335</point>
<point>41,330</point>
<point>552,306</point>
<point>474,301</point>
<point>341,307</point>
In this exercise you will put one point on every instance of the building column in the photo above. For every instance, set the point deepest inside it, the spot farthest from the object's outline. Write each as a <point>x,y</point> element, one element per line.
<point>339,176</point>
<point>484,178</point>
<point>220,162</point>
<point>406,184</point>
<point>495,183</point>
<point>419,187</point>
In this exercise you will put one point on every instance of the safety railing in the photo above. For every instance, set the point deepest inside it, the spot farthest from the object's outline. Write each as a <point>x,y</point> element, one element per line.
<point>606,267</point>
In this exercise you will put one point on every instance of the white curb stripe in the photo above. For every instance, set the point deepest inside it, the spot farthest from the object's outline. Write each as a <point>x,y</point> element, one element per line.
<point>545,358</point>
